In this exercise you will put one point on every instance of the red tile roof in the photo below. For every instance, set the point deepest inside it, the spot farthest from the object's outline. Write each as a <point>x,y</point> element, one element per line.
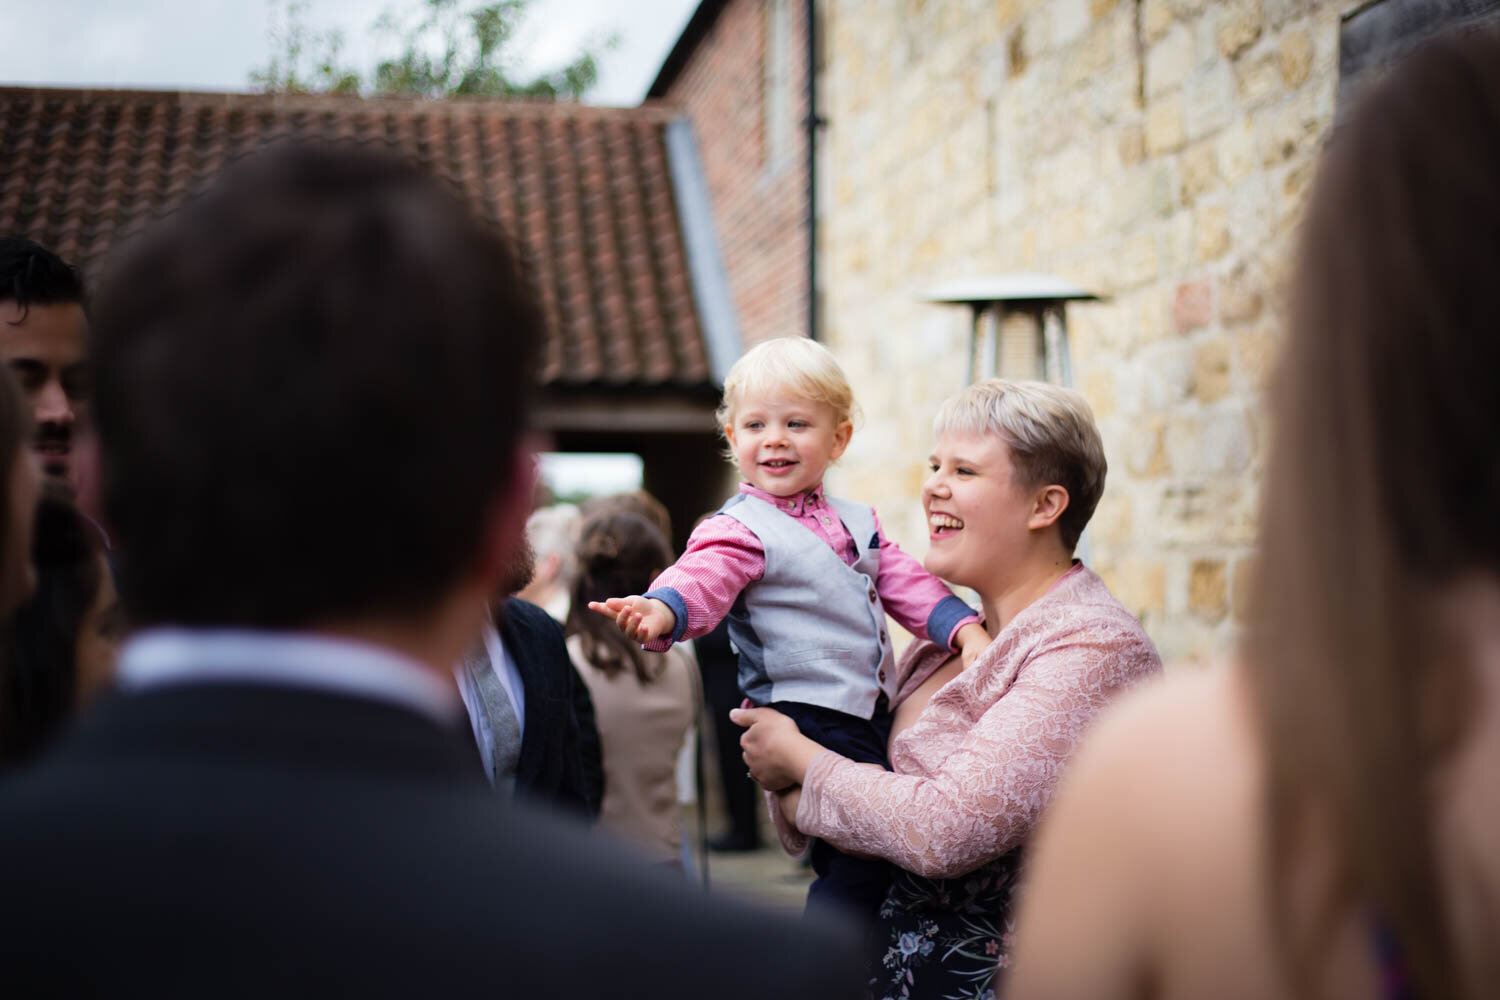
<point>587,190</point>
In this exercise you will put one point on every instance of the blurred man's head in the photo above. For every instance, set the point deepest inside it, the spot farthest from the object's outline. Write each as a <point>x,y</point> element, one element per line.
<point>43,335</point>
<point>312,392</point>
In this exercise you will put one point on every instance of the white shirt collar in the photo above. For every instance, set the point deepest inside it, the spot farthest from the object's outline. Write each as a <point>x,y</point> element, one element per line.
<point>163,656</point>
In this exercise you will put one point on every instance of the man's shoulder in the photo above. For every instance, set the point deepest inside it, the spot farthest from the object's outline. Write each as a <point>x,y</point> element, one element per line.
<point>466,887</point>
<point>523,615</point>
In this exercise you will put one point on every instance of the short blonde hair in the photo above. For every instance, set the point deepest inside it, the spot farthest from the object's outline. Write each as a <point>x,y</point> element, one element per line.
<point>1050,432</point>
<point>797,365</point>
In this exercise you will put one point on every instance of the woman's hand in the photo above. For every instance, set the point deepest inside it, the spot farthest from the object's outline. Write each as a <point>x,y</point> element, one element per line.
<point>775,750</point>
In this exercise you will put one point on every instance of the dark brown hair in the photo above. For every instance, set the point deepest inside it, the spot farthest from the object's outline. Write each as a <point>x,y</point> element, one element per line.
<point>311,385</point>
<point>619,553</point>
<point>15,433</point>
<point>1383,486</point>
<point>39,674</point>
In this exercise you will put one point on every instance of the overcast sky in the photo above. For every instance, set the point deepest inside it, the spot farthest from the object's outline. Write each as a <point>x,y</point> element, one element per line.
<point>214,44</point>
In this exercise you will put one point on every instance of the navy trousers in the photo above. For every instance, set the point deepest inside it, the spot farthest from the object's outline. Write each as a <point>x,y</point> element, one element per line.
<point>849,886</point>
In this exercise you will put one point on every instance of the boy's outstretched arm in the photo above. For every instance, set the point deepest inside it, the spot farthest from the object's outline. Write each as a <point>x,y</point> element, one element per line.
<point>640,618</point>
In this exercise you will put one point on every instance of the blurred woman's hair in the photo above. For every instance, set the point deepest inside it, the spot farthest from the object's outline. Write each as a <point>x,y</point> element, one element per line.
<point>1382,489</point>
<point>39,679</point>
<point>619,553</point>
<point>633,502</point>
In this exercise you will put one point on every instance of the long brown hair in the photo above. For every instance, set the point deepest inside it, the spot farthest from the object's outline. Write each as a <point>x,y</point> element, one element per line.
<point>619,553</point>
<point>1383,486</point>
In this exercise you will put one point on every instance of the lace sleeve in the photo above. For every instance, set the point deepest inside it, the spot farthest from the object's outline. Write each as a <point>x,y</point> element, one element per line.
<point>983,797</point>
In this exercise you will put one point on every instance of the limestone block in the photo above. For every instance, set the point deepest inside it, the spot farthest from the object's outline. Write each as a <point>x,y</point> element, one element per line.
<point>1210,232</point>
<point>1098,387</point>
<point>1258,79</point>
<point>1156,19</point>
<point>1100,8</point>
<point>1140,585</point>
<point>1241,585</point>
<point>1192,305</point>
<point>1211,103</point>
<point>1280,11</point>
<point>1165,129</point>
<point>1228,444</point>
<point>1169,62</point>
<point>1151,320</point>
<point>1145,449</point>
<point>1287,131</point>
<point>1211,370</point>
<point>1235,154</point>
<point>1199,169</point>
<point>1239,26</point>
<point>1070,19</point>
<point>1240,297</point>
<point>1294,58</point>
<point>1164,188</point>
<point>1110,525</point>
<point>1128,195</point>
<point>1167,379</point>
<point>1177,244</point>
<point>1256,350</point>
<point>1187,9</point>
<point>1139,260</point>
<point>1208,589</point>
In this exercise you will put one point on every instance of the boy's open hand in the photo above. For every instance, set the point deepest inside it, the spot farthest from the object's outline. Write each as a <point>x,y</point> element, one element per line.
<point>640,618</point>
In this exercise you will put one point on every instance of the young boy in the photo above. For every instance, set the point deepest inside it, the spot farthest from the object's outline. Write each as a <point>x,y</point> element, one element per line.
<point>806,581</point>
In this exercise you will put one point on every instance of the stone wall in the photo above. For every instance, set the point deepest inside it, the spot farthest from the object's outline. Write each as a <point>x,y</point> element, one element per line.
<point>758,187</point>
<point>1157,152</point>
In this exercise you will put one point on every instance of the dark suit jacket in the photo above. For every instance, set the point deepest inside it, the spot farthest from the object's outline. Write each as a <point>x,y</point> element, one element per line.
<point>560,761</point>
<point>242,840</point>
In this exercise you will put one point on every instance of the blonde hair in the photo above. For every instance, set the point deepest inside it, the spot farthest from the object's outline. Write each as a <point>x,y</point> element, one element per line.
<point>797,365</point>
<point>1052,438</point>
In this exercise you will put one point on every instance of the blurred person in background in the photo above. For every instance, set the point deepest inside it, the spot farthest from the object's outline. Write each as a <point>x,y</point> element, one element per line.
<point>531,714</point>
<point>59,649</point>
<point>551,532</point>
<point>644,702</point>
<point>20,486</point>
<point>1017,470</point>
<point>313,395</point>
<point>43,341</point>
<point>1321,818</point>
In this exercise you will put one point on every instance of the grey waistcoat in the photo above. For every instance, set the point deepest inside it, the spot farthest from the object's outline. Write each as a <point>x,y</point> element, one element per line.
<point>812,629</point>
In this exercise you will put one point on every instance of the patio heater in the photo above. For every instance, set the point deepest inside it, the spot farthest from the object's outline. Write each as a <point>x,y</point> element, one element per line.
<point>1020,324</point>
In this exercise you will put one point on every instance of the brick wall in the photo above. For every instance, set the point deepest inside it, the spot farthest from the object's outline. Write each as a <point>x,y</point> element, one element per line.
<point>759,206</point>
<point>1157,152</point>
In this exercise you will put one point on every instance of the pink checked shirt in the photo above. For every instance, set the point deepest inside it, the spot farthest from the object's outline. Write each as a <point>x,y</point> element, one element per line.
<point>723,557</point>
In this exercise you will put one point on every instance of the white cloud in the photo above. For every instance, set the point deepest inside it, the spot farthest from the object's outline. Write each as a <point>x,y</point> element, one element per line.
<point>215,44</point>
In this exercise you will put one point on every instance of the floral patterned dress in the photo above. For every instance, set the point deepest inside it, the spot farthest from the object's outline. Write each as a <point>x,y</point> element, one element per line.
<point>952,933</point>
<point>969,780</point>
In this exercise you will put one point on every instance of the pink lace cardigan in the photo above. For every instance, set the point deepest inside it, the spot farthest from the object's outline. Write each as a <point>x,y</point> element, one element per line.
<point>980,763</point>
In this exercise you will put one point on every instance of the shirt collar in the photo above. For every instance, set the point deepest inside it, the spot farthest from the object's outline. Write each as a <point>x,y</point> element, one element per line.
<point>164,656</point>
<point>796,505</point>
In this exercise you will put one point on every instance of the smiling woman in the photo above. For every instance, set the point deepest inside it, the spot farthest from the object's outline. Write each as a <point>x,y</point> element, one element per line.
<point>1016,472</point>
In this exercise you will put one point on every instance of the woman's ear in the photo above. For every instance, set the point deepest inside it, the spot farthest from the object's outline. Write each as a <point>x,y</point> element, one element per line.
<point>1047,506</point>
